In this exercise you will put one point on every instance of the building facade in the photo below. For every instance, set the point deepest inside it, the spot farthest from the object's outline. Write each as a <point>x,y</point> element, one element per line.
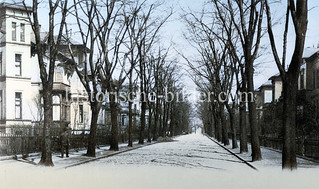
<point>308,83</point>
<point>20,84</point>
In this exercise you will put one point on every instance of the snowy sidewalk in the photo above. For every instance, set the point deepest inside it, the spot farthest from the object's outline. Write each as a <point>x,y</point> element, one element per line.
<point>272,159</point>
<point>76,157</point>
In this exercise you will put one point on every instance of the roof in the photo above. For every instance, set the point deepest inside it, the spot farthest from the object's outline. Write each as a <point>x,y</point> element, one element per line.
<point>276,76</point>
<point>18,6</point>
<point>267,84</point>
<point>309,52</point>
<point>64,40</point>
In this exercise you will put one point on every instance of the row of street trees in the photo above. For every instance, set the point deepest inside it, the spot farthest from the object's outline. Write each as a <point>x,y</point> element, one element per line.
<point>227,35</point>
<point>121,43</point>
<point>122,46</point>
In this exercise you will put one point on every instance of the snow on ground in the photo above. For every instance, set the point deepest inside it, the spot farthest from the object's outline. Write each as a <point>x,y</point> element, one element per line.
<point>272,159</point>
<point>77,156</point>
<point>190,151</point>
<point>191,161</point>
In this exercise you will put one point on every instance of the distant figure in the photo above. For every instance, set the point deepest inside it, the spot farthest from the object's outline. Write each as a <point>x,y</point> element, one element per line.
<point>65,141</point>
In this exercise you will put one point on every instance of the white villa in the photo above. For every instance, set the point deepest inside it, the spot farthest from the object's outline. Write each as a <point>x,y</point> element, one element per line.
<point>20,84</point>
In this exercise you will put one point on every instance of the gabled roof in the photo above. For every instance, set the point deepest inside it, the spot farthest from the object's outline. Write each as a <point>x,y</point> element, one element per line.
<point>309,52</point>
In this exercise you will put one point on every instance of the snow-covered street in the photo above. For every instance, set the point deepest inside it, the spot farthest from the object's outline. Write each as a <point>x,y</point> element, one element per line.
<point>189,151</point>
<point>190,161</point>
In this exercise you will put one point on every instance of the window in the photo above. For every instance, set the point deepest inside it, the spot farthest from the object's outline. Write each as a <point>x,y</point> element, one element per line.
<point>18,105</point>
<point>14,31</point>
<point>22,32</point>
<point>267,96</point>
<point>302,79</point>
<point>81,118</point>
<point>18,64</point>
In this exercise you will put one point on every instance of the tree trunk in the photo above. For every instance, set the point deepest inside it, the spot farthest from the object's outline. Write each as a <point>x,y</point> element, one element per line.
<point>156,115</point>
<point>130,123</point>
<point>299,15</point>
<point>255,146</point>
<point>218,127</point>
<point>161,123</point>
<point>130,110</point>
<point>211,123</point>
<point>95,109</point>
<point>213,133</point>
<point>173,122</point>
<point>242,125</point>
<point>232,126</point>
<point>208,127</point>
<point>46,157</point>
<point>225,140</point>
<point>290,87</point>
<point>149,129</point>
<point>114,144</point>
<point>142,128</point>
<point>165,118</point>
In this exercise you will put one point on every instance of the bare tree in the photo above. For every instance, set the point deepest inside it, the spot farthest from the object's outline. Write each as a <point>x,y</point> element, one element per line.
<point>298,12</point>
<point>87,70</point>
<point>47,50</point>
<point>245,18</point>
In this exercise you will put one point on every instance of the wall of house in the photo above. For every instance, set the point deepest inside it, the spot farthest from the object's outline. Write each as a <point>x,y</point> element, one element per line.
<point>16,79</point>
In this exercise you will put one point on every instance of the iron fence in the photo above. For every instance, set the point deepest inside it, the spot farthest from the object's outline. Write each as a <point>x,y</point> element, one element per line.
<point>27,139</point>
<point>305,147</point>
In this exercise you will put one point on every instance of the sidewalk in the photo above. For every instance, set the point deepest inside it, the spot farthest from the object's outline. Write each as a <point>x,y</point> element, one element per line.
<point>75,157</point>
<point>272,159</point>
